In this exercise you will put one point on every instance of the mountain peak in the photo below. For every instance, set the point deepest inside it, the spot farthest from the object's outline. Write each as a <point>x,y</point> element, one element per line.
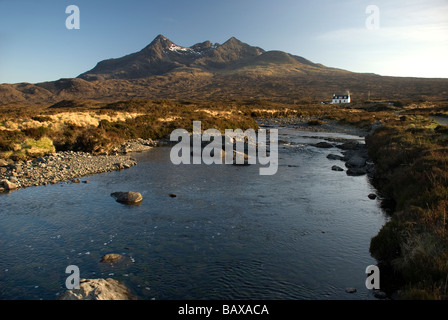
<point>233,39</point>
<point>160,37</point>
<point>160,40</point>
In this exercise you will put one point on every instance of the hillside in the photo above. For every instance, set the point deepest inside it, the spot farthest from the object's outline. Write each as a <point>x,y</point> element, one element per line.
<point>232,70</point>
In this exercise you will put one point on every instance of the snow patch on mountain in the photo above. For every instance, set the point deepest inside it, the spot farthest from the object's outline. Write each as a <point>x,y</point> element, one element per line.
<point>178,48</point>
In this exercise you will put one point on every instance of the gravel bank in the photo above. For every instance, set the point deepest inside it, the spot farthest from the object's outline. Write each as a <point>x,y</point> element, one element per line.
<point>67,166</point>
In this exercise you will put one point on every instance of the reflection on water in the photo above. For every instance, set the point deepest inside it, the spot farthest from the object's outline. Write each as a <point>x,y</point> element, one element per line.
<point>230,233</point>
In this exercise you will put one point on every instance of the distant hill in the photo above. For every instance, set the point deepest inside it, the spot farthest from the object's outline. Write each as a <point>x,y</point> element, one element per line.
<point>232,70</point>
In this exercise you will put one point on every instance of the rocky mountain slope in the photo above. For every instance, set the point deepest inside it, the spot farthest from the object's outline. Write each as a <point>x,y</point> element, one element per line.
<point>232,70</point>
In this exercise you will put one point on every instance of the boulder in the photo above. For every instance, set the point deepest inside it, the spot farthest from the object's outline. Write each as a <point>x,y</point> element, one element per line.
<point>351,145</point>
<point>98,289</point>
<point>8,185</point>
<point>111,257</point>
<point>3,163</point>
<point>128,197</point>
<point>355,171</point>
<point>336,168</point>
<point>323,144</point>
<point>372,196</point>
<point>334,157</point>
<point>356,161</point>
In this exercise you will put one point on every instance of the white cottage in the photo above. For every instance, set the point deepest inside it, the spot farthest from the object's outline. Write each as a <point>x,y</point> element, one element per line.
<point>341,98</point>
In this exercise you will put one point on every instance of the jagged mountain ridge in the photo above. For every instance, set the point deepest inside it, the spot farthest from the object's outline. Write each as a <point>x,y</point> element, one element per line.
<point>228,71</point>
<point>162,56</point>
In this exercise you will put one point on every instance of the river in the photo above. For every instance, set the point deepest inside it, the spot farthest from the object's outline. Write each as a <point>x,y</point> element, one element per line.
<point>229,233</point>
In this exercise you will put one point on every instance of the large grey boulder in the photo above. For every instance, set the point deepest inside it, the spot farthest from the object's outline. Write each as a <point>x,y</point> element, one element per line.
<point>356,161</point>
<point>98,289</point>
<point>128,197</point>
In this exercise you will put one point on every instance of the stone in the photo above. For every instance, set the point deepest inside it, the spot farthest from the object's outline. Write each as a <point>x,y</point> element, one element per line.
<point>334,157</point>
<point>8,185</point>
<point>350,145</point>
<point>98,289</point>
<point>76,180</point>
<point>119,166</point>
<point>39,160</point>
<point>355,161</point>
<point>3,163</point>
<point>111,257</point>
<point>128,197</point>
<point>372,196</point>
<point>323,144</point>
<point>336,168</point>
<point>379,294</point>
<point>350,290</point>
<point>172,195</point>
<point>356,171</point>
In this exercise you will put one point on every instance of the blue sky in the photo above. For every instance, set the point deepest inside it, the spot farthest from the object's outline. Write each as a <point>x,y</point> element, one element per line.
<point>412,38</point>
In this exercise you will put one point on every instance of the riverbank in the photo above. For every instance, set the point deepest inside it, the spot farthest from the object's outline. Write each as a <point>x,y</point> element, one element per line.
<point>411,158</point>
<point>67,166</point>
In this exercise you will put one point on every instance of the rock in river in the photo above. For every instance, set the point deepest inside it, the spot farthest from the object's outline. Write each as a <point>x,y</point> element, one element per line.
<point>356,171</point>
<point>98,289</point>
<point>350,290</point>
<point>334,157</point>
<point>111,257</point>
<point>323,144</point>
<point>355,161</point>
<point>128,197</point>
